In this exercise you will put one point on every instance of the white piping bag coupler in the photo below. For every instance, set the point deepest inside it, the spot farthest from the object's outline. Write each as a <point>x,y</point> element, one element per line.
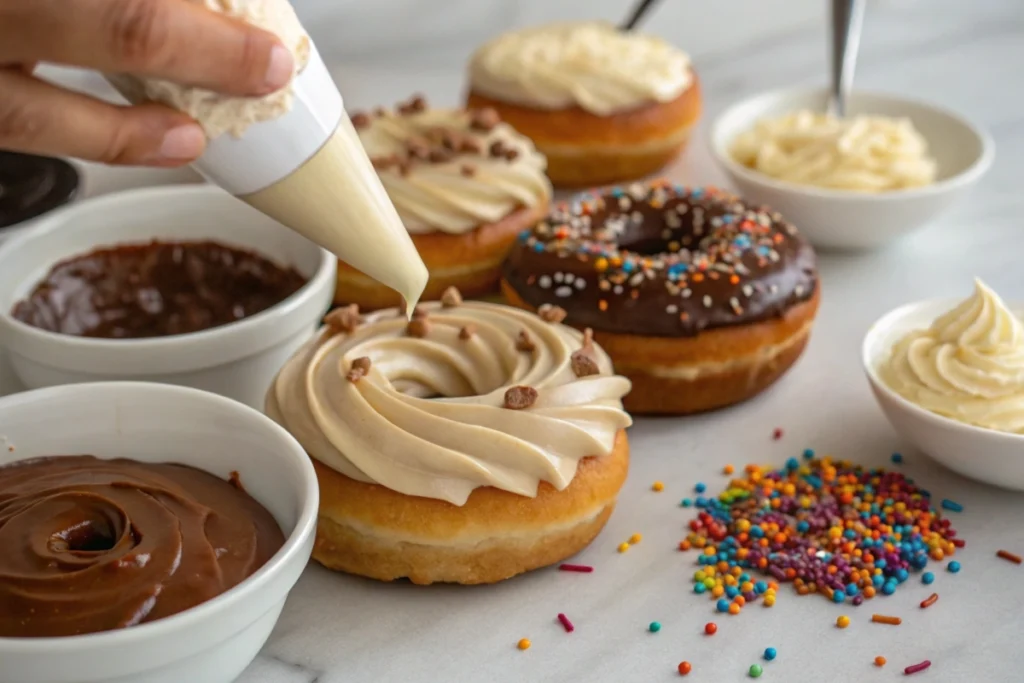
<point>296,157</point>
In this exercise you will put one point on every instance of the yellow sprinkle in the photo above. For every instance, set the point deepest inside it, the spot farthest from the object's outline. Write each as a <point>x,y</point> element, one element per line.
<point>657,486</point>
<point>769,600</point>
<point>623,547</point>
<point>524,644</point>
<point>636,538</point>
<point>843,621</point>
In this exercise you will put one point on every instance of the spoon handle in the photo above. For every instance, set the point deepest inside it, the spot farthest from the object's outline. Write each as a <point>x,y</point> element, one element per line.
<point>636,15</point>
<point>847,21</point>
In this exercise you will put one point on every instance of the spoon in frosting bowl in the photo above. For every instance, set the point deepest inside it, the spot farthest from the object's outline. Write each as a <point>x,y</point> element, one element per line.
<point>949,376</point>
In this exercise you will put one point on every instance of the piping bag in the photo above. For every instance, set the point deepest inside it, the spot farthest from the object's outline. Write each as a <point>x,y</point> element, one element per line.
<point>306,168</point>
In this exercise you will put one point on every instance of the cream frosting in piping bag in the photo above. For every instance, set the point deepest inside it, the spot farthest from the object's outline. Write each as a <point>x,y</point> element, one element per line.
<point>429,418</point>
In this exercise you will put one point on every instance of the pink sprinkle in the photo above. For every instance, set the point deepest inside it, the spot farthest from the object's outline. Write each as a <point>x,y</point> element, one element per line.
<point>916,667</point>
<point>569,628</point>
<point>576,568</point>
<point>777,434</point>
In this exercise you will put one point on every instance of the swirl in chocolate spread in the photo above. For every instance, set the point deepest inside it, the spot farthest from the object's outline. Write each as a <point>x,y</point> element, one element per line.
<point>158,289</point>
<point>32,185</point>
<point>663,260</point>
<point>94,545</point>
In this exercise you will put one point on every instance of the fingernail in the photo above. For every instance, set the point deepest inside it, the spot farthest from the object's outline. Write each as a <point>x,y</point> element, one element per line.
<point>279,71</point>
<point>183,142</point>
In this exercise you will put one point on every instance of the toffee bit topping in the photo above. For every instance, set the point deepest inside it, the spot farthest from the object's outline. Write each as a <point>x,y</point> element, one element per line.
<point>414,105</point>
<point>451,298</point>
<point>484,119</point>
<point>417,327</point>
<point>524,343</point>
<point>360,368</point>
<point>384,163</point>
<point>497,149</point>
<point>520,397</point>
<point>419,313</point>
<point>467,170</point>
<point>467,332</point>
<point>360,120</point>
<point>417,149</point>
<point>468,145</point>
<point>344,319</point>
<point>550,313</point>
<point>439,155</point>
<point>511,154</point>
<point>582,361</point>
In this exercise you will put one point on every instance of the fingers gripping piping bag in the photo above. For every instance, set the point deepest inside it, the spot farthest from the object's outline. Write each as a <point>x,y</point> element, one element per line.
<point>295,156</point>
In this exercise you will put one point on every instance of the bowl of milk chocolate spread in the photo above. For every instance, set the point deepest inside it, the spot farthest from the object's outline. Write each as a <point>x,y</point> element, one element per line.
<point>149,533</point>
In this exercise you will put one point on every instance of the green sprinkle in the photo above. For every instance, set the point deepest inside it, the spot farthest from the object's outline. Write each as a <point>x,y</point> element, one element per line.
<point>756,671</point>
<point>654,627</point>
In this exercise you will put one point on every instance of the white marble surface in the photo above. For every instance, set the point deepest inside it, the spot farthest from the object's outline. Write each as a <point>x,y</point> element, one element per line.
<point>968,56</point>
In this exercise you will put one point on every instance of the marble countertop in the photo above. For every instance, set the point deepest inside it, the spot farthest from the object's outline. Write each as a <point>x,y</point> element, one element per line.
<point>967,56</point>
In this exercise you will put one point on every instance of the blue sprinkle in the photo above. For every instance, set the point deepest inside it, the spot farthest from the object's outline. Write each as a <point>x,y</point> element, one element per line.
<point>838,596</point>
<point>617,192</point>
<point>524,235</point>
<point>686,502</point>
<point>697,192</point>
<point>699,588</point>
<point>732,591</point>
<point>760,587</point>
<point>627,266</point>
<point>700,487</point>
<point>792,464</point>
<point>808,453</point>
<point>756,532</point>
<point>877,580</point>
<point>927,578</point>
<point>744,577</point>
<point>851,589</point>
<point>880,563</point>
<point>538,247</point>
<point>770,653</point>
<point>948,504</point>
<point>902,575</point>
<point>701,502</point>
<point>722,605</point>
<point>953,567</point>
<point>802,526</point>
<point>897,458</point>
<point>889,588</point>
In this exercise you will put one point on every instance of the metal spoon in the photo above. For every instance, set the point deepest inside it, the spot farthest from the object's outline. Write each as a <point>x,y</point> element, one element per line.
<point>638,13</point>
<point>847,21</point>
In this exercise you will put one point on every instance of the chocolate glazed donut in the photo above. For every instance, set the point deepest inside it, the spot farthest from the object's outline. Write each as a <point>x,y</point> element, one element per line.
<point>701,300</point>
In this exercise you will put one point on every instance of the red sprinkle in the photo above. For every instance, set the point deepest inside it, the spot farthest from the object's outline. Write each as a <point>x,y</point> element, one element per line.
<point>1007,555</point>
<point>930,600</point>
<point>916,668</point>
<point>569,628</point>
<point>710,628</point>
<point>582,568</point>
<point>958,542</point>
<point>777,434</point>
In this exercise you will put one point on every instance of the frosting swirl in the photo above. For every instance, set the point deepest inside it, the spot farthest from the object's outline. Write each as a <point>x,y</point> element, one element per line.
<point>969,365</point>
<point>863,154</point>
<point>592,65</point>
<point>430,414</point>
<point>451,170</point>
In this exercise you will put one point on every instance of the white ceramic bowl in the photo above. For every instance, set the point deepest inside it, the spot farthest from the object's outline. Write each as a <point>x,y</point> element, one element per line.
<point>238,360</point>
<point>212,642</point>
<point>836,219</point>
<point>986,455</point>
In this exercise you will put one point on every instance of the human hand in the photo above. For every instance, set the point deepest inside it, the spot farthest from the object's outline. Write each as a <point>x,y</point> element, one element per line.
<point>173,39</point>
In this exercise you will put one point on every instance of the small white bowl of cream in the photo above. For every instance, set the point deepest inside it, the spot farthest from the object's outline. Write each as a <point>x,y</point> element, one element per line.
<point>949,376</point>
<point>890,167</point>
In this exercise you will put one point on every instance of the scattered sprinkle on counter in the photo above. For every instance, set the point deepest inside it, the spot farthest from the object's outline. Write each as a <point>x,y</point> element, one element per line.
<point>770,654</point>
<point>929,601</point>
<point>700,487</point>
<point>623,547</point>
<point>916,668</point>
<point>843,621</point>
<point>658,486</point>
<point>524,644</point>
<point>897,458</point>
<point>879,660</point>
<point>581,568</point>
<point>685,502</point>
<point>684,668</point>
<point>710,628</point>
<point>1007,555</point>
<point>826,526</point>
<point>884,619</point>
<point>635,538</point>
<point>728,469</point>
<point>808,454</point>
<point>654,626</point>
<point>566,624</point>
<point>755,671</point>
<point>927,578</point>
<point>952,505</point>
<point>777,433</point>
<point>953,567</point>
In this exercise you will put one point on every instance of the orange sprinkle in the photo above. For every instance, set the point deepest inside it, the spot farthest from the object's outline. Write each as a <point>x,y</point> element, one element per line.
<point>729,469</point>
<point>929,601</point>
<point>602,305</point>
<point>524,644</point>
<point>1007,555</point>
<point>698,277</point>
<point>684,545</point>
<point>734,608</point>
<point>879,660</point>
<point>883,619</point>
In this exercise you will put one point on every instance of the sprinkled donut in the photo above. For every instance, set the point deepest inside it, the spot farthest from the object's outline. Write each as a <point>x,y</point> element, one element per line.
<point>700,299</point>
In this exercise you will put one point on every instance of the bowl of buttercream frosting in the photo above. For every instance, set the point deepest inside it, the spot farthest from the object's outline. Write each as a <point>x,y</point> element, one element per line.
<point>949,376</point>
<point>890,166</point>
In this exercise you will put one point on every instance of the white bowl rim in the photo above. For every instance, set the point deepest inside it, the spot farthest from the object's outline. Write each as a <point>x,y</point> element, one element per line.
<point>305,526</point>
<point>965,177</point>
<point>871,370</point>
<point>177,343</point>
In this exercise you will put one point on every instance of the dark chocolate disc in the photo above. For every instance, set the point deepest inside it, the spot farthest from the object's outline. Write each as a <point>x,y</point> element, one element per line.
<point>32,185</point>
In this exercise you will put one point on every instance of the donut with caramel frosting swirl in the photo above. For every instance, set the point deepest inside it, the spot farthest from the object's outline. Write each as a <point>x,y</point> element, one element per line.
<point>465,395</point>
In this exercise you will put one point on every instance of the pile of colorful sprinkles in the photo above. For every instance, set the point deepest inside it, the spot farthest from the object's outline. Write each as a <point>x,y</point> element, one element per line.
<point>825,526</point>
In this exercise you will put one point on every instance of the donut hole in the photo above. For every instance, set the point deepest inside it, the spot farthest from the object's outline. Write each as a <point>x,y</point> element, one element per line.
<point>647,238</point>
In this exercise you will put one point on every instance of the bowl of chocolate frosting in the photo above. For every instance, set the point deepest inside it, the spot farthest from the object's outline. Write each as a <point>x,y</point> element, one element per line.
<point>151,533</point>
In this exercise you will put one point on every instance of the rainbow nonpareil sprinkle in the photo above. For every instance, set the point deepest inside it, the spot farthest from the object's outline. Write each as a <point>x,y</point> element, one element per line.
<point>829,527</point>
